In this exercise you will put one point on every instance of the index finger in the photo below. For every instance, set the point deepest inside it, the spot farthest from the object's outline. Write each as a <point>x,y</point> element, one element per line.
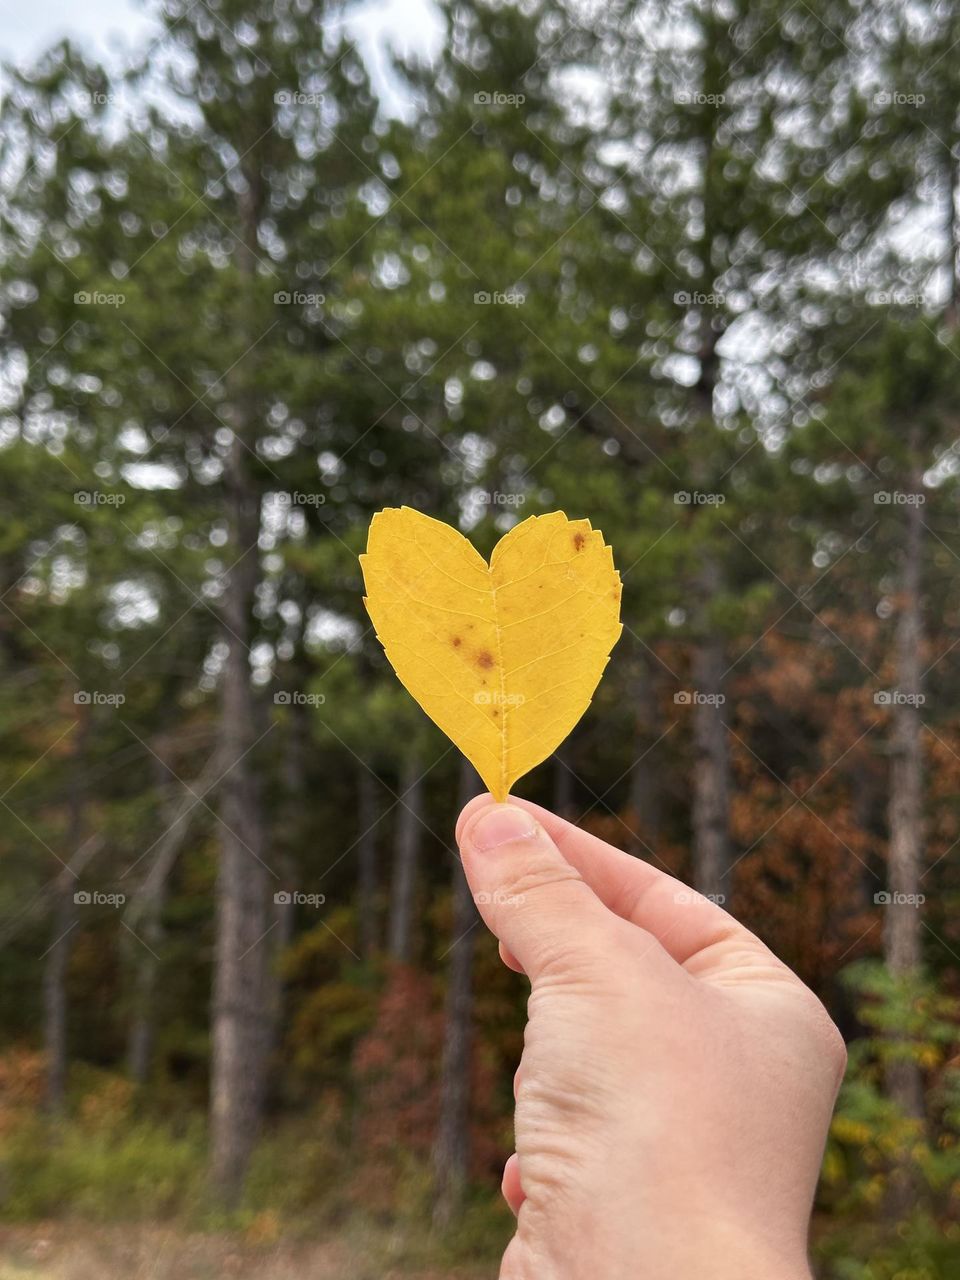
<point>682,920</point>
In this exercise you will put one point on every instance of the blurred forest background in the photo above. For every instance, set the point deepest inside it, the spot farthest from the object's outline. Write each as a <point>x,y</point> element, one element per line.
<point>689,269</point>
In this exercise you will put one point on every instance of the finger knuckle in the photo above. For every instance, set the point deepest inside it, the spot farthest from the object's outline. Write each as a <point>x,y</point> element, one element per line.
<point>541,876</point>
<point>830,1045</point>
<point>835,1050</point>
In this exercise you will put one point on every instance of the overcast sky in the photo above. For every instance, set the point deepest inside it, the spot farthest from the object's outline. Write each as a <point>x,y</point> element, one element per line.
<point>27,28</point>
<point>110,27</point>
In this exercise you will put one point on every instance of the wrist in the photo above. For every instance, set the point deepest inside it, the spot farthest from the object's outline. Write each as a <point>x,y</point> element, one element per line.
<point>683,1260</point>
<point>622,1244</point>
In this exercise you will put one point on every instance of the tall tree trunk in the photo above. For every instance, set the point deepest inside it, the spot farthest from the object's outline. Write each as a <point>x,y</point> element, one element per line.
<point>57,956</point>
<point>143,914</point>
<point>295,825</point>
<point>142,938</point>
<point>711,781</point>
<point>146,966</point>
<point>451,1149</point>
<point>367,820</point>
<point>141,1033</point>
<point>240,1012</point>
<point>902,919</point>
<point>405,859</point>
<point>241,1009</point>
<point>711,778</point>
<point>951,176</point>
<point>56,960</point>
<point>288,855</point>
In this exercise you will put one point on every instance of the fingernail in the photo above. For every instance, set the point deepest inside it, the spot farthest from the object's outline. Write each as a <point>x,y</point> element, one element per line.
<point>502,825</point>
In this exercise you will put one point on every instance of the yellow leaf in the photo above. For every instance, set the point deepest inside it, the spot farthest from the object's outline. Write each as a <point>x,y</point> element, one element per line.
<point>505,658</point>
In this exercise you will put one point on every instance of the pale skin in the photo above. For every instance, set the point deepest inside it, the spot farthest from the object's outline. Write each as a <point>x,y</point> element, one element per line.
<point>677,1079</point>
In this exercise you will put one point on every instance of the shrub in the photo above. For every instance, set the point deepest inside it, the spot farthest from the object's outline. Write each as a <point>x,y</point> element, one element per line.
<point>891,1181</point>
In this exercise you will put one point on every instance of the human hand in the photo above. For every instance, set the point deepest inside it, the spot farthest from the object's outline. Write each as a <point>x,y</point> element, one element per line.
<point>677,1080</point>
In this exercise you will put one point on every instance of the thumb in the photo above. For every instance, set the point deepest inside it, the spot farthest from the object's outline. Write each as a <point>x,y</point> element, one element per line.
<point>529,896</point>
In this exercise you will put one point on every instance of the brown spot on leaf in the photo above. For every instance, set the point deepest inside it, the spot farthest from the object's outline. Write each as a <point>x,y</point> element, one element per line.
<point>578,540</point>
<point>456,642</point>
<point>484,660</point>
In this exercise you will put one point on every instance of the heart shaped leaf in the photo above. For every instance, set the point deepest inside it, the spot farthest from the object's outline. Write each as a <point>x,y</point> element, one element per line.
<point>503,658</point>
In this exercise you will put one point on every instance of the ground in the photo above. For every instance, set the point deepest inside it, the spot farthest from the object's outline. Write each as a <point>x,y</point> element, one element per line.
<point>61,1251</point>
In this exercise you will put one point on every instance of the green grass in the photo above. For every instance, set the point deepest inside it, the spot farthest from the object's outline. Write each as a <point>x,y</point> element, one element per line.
<point>103,1174</point>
